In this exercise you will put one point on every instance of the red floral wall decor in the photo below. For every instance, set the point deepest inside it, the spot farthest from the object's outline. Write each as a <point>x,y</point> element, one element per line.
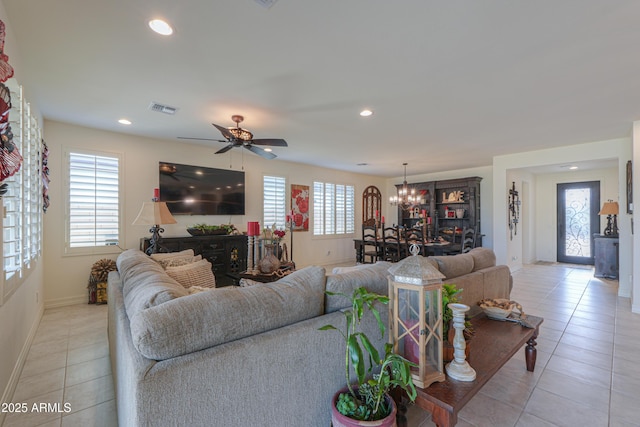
<point>300,207</point>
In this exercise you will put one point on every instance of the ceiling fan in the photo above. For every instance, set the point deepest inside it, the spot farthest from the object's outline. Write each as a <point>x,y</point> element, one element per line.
<point>238,137</point>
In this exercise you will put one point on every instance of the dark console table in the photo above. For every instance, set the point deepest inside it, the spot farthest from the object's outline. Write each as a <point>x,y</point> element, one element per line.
<point>606,256</point>
<point>227,254</point>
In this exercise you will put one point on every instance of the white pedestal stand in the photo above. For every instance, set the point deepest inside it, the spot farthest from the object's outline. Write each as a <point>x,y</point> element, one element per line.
<point>459,368</point>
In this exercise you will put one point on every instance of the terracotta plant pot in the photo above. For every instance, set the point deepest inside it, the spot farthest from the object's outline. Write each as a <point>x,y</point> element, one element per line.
<point>339,420</point>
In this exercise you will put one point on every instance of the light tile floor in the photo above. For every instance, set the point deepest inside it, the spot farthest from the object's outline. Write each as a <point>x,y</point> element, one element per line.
<point>586,373</point>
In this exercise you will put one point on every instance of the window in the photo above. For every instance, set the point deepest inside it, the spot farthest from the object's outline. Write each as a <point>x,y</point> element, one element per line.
<point>93,202</point>
<point>333,209</point>
<point>274,201</point>
<point>22,222</point>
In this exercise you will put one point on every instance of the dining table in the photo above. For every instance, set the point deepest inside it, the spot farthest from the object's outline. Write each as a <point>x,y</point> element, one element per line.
<point>431,248</point>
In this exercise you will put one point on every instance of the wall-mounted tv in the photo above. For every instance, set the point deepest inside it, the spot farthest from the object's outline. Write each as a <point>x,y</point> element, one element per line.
<point>196,190</point>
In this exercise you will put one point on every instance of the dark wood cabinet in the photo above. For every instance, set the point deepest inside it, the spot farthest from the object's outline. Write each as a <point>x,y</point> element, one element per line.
<point>227,254</point>
<point>606,256</point>
<point>451,206</point>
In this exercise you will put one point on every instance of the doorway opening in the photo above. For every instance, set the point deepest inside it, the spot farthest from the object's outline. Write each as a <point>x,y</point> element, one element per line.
<point>578,206</point>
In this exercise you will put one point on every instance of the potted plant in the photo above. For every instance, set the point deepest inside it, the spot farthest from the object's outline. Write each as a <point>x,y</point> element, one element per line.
<point>449,296</point>
<point>369,399</point>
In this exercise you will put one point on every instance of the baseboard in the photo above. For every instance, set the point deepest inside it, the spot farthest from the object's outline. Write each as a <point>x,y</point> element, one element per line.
<point>63,302</point>
<point>22,358</point>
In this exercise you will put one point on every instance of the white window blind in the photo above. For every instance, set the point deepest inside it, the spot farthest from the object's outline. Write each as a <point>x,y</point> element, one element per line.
<point>333,209</point>
<point>22,222</point>
<point>93,200</point>
<point>274,201</point>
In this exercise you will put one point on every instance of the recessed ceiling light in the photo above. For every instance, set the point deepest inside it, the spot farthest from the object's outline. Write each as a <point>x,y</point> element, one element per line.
<point>161,27</point>
<point>366,113</point>
<point>573,168</point>
<point>124,122</point>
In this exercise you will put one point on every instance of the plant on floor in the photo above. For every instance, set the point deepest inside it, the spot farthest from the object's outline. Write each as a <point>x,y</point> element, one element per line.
<point>367,400</point>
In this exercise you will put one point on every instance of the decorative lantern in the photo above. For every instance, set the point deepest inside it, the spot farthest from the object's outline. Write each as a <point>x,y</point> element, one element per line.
<point>415,316</point>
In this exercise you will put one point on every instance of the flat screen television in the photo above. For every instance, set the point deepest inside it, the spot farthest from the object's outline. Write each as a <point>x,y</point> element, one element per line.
<point>196,190</point>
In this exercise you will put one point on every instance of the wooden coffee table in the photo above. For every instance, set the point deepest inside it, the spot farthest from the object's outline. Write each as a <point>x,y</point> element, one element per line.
<point>494,343</point>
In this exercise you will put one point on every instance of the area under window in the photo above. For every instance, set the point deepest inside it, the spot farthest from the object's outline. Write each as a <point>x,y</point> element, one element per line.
<point>274,201</point>
<point>93,202</point>
<point>333,209</point>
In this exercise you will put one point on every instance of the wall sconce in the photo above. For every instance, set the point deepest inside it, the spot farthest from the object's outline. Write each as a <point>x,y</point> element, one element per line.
<point>610,209</point>
<point>514,210</point>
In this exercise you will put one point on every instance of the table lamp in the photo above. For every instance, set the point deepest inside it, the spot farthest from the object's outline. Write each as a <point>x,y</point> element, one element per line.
<point>154,213</point>
<point>610,209</point>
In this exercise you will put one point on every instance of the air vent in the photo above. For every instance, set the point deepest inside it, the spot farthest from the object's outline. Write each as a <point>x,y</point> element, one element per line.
<point>160,108</point>
<point>265,3</point>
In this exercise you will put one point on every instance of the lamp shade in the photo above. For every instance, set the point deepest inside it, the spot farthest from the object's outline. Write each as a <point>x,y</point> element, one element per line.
<point>154,213</point>
<point>609,208</point>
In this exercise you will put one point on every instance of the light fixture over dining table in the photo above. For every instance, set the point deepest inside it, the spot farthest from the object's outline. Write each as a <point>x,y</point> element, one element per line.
<point>406,196</point>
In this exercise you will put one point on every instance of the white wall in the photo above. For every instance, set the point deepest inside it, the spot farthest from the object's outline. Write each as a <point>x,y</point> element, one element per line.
<point>486,195</point>
<point>619,149</point>
<point>66,276</point>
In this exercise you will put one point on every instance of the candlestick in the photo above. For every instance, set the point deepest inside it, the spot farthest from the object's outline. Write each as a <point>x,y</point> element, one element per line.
<point>156,194</point>
<point>459,368</point>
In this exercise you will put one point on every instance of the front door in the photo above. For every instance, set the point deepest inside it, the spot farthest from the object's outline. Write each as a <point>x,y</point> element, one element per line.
<point>578,206</point>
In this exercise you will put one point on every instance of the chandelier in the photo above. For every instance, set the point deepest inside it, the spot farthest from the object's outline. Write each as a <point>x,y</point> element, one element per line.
<point>406,196</point>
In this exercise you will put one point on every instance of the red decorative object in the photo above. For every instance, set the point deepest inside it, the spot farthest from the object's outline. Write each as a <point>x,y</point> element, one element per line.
<point>6,70</point>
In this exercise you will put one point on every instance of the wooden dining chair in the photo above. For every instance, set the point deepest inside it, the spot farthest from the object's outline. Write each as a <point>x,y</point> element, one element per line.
<point>372,246</point>
<point>391,248</point>
<point>415,236</point>
<point>468,240</point>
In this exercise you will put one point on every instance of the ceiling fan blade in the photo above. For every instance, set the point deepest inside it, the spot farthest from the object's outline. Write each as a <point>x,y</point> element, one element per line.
<point>202,139</point>
<point>270,141</point>
<point>225,132</point>
<point>225,149</point>
<point>260,152</point>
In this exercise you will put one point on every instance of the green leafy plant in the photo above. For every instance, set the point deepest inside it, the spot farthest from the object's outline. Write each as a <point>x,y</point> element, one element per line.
<point>204,228</point>
<point>367,401</point>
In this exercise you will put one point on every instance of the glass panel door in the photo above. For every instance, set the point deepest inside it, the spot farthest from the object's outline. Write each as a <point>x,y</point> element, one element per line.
<point>578,221</point>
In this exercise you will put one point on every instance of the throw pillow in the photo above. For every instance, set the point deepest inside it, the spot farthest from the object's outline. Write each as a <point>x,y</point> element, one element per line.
<point>157,257</point>
<point>178,261</point>
<point>194,274</point>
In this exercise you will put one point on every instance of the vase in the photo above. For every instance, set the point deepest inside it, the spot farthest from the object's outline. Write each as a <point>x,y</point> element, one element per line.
<point>269,262</point>
<point>339,420</point>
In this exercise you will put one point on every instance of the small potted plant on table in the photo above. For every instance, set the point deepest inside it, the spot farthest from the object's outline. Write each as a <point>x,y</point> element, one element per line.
<point>368,402</point>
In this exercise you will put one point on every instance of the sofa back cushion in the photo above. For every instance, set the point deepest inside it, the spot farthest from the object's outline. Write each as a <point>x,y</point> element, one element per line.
<point>221,315</point>
<point>482,258</point>
<point>454,266</point>
<point>374,277</point>
<point>145,283</point>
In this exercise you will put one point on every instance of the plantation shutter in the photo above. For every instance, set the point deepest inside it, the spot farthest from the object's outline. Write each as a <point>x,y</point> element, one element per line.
<point>93,200</point>
<point>274,201</point>
<point>318,208</point>
<point>333,208</point>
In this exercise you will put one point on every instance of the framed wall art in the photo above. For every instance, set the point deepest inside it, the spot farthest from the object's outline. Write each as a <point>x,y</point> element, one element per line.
<point>300,207</point>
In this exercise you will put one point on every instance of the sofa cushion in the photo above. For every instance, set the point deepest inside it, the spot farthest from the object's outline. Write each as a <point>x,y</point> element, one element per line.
<point>454,266</point>
<point>193,274</point>
<point>472,287</point>
<point>208,319</point>
<point>482,258</point>
<point>145,283</point>
<point>374,277</point>
<point>167,255</point>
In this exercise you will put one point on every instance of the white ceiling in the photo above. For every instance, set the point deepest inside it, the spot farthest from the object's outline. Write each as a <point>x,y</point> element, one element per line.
<point>452,83</point>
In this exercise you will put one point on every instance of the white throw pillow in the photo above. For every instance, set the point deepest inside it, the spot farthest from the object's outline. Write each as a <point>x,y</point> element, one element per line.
<point>194,274</point>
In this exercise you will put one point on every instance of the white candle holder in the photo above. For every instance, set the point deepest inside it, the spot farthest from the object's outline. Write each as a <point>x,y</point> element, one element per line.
<point>250,254</point>
<point>459,369</point>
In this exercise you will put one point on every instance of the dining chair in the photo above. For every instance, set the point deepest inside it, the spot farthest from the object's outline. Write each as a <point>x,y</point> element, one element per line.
<point>372,246</point>
<point>391,248</point>
<point>415,235</point>
<point>468,240</point>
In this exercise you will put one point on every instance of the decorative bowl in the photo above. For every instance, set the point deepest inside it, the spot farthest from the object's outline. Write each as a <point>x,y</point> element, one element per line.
<point>199,232</point>
<point>497,309</point>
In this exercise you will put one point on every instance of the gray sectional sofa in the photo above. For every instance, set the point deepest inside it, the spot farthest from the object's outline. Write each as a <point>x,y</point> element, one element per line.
<point>241,356</point>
